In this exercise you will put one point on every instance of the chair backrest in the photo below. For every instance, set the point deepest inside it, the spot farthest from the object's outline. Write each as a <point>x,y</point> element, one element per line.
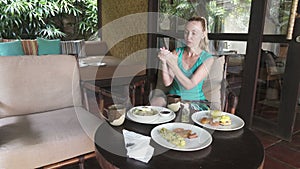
<point>217,89</point>
<point>31,84</point>
<point>214,87</point>
<point>95,48</point>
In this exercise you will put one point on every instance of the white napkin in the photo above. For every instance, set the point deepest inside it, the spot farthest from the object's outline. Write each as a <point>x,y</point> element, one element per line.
<point>138,146</point>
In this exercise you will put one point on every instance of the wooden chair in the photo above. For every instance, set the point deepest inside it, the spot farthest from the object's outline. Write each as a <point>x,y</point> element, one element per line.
<point>105,96</point>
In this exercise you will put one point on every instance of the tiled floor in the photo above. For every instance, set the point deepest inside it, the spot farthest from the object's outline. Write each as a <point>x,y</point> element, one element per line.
<point>280,154</point>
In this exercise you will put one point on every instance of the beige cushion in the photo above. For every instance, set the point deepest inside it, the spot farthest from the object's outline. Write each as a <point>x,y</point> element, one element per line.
<point>95,48</point>
<point>31,84</point>
<point>39,139</point>
<point>212,84</point>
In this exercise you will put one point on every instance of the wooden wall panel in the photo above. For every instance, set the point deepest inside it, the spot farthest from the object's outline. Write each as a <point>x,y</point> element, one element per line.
<point>122,24</point>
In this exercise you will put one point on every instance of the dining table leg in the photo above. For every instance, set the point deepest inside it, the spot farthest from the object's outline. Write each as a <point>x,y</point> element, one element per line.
<point>104,163</point>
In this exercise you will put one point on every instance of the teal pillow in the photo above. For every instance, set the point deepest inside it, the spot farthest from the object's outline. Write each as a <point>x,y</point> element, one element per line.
<point>48,47</point>
<point>13,48</point>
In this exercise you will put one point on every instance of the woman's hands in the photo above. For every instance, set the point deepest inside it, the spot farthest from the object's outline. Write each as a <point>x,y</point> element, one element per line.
<point>170,69</point>
<point>167,57</point>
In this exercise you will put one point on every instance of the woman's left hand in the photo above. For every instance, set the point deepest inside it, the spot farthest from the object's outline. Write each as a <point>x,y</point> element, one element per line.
<point>169,57</point>
<point>172,59</point>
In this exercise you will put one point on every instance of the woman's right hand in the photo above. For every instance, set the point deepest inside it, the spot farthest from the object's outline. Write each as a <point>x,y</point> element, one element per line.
<point>163,54</point>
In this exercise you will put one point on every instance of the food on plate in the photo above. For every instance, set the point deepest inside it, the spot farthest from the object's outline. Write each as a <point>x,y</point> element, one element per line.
<point>214,123</point>
<point>205,120</point>
<point>144,111</point>
<point>172,137</point>
<point>216,118</point>
<point>216,114</point>
<point>185,133</point>
<point>225,120</point>
<point>211,121</point>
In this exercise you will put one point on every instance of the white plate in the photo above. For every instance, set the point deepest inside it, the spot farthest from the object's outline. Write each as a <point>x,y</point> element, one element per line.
<point>236,122</point>
<point>83,64</point>
<point>92,59</point>
<point>203,140</point>
<point>160,119</point>
<point>97,64</point>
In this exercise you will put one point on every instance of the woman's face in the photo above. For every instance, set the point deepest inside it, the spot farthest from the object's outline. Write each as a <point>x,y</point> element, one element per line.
<point>193,34</point>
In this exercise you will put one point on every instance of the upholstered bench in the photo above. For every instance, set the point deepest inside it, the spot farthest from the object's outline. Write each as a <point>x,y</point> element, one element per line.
<point>42,120</point>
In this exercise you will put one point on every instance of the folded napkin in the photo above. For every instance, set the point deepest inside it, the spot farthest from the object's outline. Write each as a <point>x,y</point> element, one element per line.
<point>138,146</point>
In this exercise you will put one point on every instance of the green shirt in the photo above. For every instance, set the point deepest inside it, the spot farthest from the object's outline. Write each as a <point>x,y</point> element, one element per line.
<point>195,93</point>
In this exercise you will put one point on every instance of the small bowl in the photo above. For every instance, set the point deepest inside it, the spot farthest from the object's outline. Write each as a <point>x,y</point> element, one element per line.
<point>174,106</point>
<point>145,113</point>
<point>165,113</point>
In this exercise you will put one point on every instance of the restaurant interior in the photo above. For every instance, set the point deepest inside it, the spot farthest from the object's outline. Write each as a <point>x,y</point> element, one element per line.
<point>257,40</point>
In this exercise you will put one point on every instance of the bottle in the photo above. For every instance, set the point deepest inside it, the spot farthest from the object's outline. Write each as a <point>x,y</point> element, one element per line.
<point>185,114</point>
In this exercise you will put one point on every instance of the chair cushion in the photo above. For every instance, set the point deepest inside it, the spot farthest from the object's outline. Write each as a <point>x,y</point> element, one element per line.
<point>30,84</point>
<point>95,48</point>
<point>48,47</point>
<point>36,140</point>
<point>12,48</point>
<point>213,83</point>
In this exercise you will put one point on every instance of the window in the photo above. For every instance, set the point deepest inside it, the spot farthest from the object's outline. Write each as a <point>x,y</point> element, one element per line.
<point>277,16</point>
<point>223,16</point>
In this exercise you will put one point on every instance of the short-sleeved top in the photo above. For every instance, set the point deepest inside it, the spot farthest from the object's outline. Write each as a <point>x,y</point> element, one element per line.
<point>195,93</point>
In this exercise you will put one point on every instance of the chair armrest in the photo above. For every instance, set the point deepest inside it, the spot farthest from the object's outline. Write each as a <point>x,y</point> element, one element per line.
<point>231,102</point>
<point>86,86</point>
<point>96,89</point>
<point>102,93</point>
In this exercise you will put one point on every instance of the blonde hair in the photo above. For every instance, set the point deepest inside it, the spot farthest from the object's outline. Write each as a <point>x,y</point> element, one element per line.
<point>204,42</point>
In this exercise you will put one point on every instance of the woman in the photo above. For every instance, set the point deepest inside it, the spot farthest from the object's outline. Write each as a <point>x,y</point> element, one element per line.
<point>186,68</point>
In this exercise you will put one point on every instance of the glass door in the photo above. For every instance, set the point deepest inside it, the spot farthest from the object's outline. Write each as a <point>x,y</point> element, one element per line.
<point>276,84</point>
<point>263,60</point>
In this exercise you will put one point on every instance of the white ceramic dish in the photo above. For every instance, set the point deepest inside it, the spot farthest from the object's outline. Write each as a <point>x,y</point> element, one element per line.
<point>146,113</point>
<point>92,61</point>
<point>236,122</point>
<point>203,140</point>
<point>158,120</point>
<point>97,64</point>
<point>82,64</point>
<point>165,113</point>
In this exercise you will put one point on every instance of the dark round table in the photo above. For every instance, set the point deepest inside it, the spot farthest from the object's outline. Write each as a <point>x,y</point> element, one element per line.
<point>239,149</point>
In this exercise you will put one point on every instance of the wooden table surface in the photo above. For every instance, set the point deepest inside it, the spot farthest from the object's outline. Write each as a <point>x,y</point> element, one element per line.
<point>114,68</point>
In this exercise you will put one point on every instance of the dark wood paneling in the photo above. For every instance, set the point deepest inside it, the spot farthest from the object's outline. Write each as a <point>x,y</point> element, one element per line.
<point>248,90</point>
<point>99,17</point>
<point>291,78</point>
<point>152,60</point>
